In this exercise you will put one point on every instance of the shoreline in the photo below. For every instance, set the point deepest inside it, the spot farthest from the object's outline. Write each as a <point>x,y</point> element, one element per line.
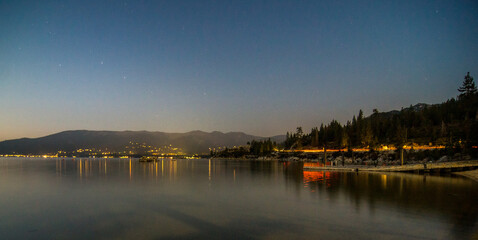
<point>456,166</point>
<point>472,174</point>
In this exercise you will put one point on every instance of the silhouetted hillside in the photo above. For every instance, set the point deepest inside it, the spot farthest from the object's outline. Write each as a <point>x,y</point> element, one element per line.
<point>190,142</point>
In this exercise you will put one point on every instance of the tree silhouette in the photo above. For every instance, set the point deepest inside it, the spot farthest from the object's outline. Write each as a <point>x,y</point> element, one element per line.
<point>468,88</point>
<point>448,123</point>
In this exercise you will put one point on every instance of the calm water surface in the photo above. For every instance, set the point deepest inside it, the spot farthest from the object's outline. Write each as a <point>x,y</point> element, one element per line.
<point>217,199</point>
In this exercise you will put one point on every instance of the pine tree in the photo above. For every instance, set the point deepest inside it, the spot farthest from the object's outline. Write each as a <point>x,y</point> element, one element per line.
<point>468,88</point>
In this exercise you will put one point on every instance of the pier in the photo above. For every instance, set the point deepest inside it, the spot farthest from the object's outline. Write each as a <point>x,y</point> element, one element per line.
<point>417,168</point>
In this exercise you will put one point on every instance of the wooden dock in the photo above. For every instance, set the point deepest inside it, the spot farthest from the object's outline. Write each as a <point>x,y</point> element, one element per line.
<point>428,167</point>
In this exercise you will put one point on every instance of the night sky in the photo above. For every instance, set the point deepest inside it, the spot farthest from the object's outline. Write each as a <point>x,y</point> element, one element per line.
<point>261,67</point>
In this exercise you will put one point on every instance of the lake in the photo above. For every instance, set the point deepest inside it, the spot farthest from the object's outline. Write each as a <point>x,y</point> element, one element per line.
<point>226,199</point>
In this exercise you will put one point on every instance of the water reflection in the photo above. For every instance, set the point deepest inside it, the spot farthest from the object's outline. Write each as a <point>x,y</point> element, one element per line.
<point>449,198</point>
<point>255,199</point>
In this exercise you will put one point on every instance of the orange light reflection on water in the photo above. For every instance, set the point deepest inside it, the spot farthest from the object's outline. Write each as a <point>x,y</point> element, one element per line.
<point>314,177</point>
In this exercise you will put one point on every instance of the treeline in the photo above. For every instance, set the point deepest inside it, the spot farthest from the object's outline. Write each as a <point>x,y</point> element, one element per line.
<point>253,149</point>
<point>452,123</point>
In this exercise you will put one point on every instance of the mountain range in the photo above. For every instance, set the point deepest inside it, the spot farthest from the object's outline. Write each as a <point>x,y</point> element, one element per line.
<point>190,142</point>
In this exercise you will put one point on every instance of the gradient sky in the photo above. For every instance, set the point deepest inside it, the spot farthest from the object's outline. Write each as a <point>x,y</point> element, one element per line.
<point>262,67</point>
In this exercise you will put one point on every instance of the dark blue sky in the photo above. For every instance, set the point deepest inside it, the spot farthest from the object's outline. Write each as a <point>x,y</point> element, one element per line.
<point>262,67</point>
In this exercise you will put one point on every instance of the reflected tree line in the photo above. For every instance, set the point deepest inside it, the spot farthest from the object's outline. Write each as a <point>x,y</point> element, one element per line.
<point>453,198</point>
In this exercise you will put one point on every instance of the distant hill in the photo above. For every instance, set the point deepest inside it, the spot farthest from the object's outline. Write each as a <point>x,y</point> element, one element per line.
<point>190,142</point>
<point>416,108</point>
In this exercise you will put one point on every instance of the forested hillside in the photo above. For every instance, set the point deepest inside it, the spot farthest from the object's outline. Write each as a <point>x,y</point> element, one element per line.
<point>453,123</point>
